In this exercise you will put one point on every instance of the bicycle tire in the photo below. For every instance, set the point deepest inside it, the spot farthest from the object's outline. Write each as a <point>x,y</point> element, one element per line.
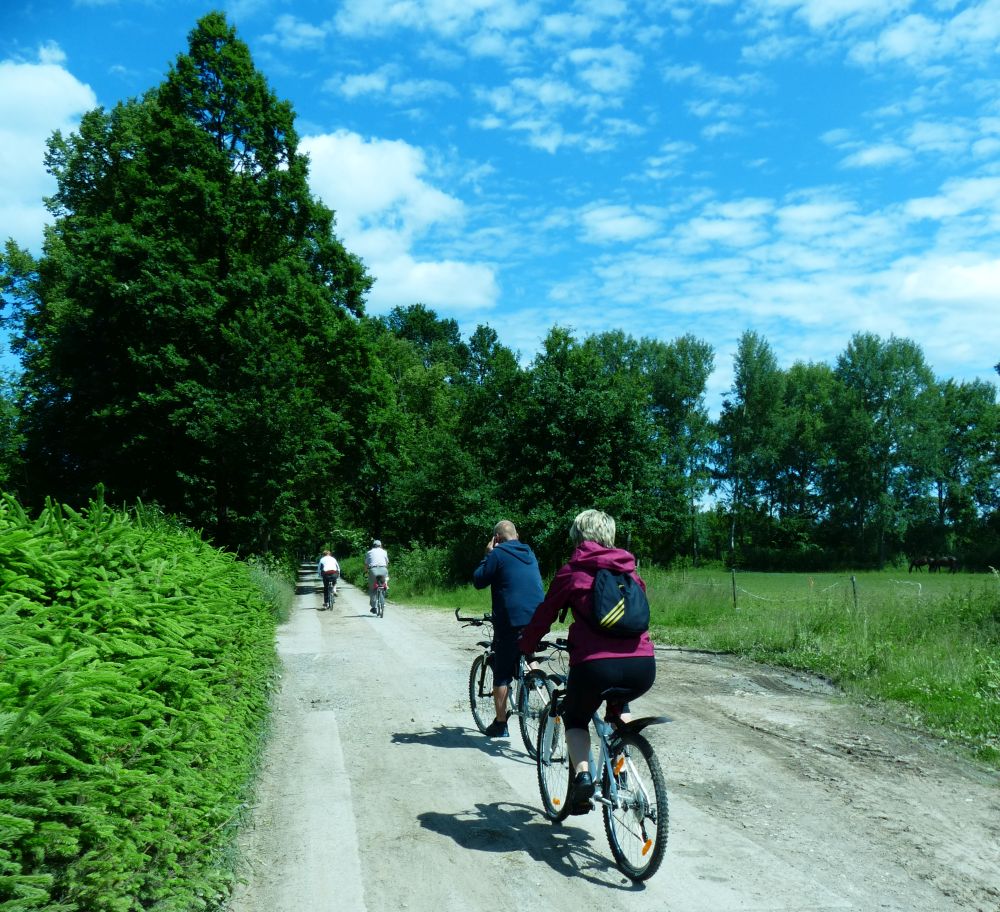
<point>637,828</point>
<point>552,762</point>
<point>534,695</point>
<point>481,693</point>
<point>380,602</point>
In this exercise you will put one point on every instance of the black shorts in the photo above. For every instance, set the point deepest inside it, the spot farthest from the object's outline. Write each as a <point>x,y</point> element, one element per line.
<point>588,683</point>
<point>505,654</point>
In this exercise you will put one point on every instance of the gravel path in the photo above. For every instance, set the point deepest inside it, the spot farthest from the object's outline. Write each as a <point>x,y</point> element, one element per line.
<point>379,794</point>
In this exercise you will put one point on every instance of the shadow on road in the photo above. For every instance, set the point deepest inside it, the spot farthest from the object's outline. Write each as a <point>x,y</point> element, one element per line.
<point>468,738</point>
<point>506,827</point>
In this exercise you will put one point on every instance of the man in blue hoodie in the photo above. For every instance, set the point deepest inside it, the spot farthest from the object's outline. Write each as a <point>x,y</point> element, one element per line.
<point>511,571</point>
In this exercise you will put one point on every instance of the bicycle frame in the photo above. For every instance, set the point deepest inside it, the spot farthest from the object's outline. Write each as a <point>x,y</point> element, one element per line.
<point>607,736</point>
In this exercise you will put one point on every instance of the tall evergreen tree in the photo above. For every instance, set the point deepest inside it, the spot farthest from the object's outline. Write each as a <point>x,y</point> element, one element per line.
<point>189,337</point>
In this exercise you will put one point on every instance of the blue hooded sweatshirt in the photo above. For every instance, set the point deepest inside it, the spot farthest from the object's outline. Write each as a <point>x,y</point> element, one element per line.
<point>512,571</point>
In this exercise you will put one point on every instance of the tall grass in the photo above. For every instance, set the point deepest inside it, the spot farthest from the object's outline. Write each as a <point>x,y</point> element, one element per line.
<point>931,646</point>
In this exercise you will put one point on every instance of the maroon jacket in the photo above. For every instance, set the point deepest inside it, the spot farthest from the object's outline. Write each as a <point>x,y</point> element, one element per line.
<point>573,586</point>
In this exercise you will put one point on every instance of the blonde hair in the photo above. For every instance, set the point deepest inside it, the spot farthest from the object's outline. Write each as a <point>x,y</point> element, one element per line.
<point>593,525</point>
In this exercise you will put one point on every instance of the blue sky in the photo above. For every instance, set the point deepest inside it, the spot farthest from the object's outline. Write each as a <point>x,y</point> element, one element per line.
<point>806,169</point>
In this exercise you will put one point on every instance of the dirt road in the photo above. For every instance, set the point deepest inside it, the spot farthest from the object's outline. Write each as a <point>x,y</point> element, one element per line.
<point>379,794</point>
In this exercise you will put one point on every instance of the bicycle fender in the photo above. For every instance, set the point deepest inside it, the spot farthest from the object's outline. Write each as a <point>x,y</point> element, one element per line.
<point>637,725</point>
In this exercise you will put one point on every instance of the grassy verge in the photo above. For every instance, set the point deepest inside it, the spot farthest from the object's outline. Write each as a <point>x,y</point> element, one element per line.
<point>930,646</point>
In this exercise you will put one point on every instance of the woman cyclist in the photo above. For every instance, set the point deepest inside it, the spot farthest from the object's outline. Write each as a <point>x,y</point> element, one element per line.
<point>597,661</point>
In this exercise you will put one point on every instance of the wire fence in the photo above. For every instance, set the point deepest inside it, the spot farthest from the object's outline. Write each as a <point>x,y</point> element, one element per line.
<point>808,591</point>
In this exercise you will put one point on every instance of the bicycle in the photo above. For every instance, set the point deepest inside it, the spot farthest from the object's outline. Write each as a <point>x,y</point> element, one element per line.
<point>381,587</point>
<point>528,695</point>
<point>329,591</point>
<point>629,784</point>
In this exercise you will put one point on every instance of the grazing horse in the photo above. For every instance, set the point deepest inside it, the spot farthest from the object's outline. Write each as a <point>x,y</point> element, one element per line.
<point>942,563</point>
<point>918,563</point>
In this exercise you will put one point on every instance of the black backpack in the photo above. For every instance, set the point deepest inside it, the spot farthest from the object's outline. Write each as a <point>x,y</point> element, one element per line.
<point>620,606</point>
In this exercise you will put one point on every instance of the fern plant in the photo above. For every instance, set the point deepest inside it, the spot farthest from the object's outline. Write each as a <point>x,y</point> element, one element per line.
<point>135,668</point>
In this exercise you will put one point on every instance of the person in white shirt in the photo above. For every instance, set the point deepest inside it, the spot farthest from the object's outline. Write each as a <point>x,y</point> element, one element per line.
<point>329,572</point>
<point>377,565</point>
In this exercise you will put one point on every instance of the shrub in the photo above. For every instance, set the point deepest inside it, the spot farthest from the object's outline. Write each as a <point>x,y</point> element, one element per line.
<point>135,668</point>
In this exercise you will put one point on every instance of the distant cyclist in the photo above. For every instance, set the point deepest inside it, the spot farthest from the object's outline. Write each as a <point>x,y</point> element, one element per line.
<point>377,565</point>
<point>597,662</point>
<point>329,572</point>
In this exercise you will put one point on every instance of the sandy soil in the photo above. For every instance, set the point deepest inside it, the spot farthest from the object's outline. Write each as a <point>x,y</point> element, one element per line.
<point>378,793</point>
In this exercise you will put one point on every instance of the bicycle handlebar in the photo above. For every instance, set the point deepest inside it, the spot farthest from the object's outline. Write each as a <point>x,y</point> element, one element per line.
<point>475,622</point>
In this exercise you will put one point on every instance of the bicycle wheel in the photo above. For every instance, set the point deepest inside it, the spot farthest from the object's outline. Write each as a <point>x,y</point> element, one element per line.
<point>534,696</point>
<point>637,825</point>
<point>481,693</point>
<point>380,602</point>
<point>552,760</point>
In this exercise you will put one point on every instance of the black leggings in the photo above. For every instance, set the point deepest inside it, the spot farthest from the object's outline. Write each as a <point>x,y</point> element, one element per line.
<point>589,684</point>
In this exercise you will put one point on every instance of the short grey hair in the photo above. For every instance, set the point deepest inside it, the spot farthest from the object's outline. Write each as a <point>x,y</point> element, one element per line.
<point>505,530</point>
<point>593,525</point>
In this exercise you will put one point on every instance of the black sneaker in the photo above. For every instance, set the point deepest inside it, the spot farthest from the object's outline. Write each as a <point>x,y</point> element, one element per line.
<point>580,793</point>
<point>497,729</point>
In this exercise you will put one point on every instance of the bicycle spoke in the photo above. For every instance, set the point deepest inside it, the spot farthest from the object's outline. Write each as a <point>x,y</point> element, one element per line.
<point>552,762</point>
<point>637,824</point>
<point>536,691</point>
<point>481,692</point>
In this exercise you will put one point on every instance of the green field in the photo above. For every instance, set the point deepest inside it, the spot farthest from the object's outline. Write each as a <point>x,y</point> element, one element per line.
<point>928,645</point>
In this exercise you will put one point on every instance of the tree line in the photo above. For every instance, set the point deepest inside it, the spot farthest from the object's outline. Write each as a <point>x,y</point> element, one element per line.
<point>194,335</point>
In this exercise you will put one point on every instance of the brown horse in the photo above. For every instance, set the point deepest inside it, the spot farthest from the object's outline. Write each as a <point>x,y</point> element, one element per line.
<point>918,563</point>
<point>943,563</point>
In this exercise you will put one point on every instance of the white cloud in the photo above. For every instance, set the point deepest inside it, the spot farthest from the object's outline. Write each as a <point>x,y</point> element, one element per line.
<point>376,183</point>
<point>294,34</point>
<point>822,14</point>
<point>352,86</point>
<point>740,224</point>
<point>51,53</point>
<point>966,280</point>
<point>386,207</point>
<point>386,82</point>
<point>446,286</point>
<point>971,35</point>
<point>445,18</point>
<point>35,100</point>
<point>607,70</point>
<point>914,39</point>
<point>613,224</point>
<point>877,156</point>
<point>569,26</point>
<point>957,198</point>
<point>533,105</point>
<point>713,83</point>
<point>939,137</point>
